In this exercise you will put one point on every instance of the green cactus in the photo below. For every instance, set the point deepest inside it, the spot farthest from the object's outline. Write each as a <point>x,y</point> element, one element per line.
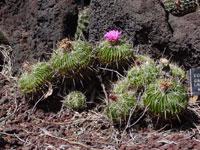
<point>36,78</point>
<point>144,59</point>
<point>82,30</point>
<point>76,100</point>
<point>166,98</point>
<point>143,72</point>
<point>3,38</point>
<point>180,7</point>
<point>73,61</point>
<point>121,86</point>
<point>177,72</point>
<point>171,70</point>
<point>120,106</point>
<point>114,55</point>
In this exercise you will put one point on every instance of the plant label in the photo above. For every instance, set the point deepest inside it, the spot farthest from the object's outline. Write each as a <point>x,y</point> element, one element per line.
<point>195,81</point>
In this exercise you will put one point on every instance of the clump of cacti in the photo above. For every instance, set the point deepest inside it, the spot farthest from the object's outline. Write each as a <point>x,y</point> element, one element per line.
<point>82,30</point>
<point>166,98</point>
<point>73,58</point>
<point>156,87</point>
<point>36,78</point>
<point>120,106</point>
<point>76,100</point>
<point>114,52</point>
<point>180,7</point>
<point>143,72</point>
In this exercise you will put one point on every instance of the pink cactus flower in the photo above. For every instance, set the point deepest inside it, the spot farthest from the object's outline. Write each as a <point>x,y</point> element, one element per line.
<point>112,35</point>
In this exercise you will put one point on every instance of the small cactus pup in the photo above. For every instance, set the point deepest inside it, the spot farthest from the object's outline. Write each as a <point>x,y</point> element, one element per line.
<point>76,100</point>
<point>180,7</point>
<point>166,98</point>
<point>73,58</point>
<point>143,72</point>
<point>120,106</point>
<point>114,52</point>
<point>171,70</point>
<point>36,78</point>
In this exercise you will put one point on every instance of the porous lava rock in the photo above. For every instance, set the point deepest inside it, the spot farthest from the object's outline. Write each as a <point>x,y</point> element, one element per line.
<point>185,43</point>
<point>147,25</point>
<point>35,26</point>
<point>141,21</point>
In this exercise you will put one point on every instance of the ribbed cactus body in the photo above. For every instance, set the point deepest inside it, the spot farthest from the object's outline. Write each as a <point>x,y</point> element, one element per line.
<point>143,72</point>
<point>181,7</point>
<point>121,86</point>
<point>37,79</point>
<point>177,72</point>
<point>114,55</point>
<point>121,106</point>
<point>76,100</point>
<point>82,30</point>
<point>166,98</point>
<point>75,61</point>
<point>171,70</point>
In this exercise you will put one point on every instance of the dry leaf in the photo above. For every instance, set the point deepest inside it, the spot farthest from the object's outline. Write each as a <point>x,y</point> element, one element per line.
<point>193,99</point>
<point>49,93</point>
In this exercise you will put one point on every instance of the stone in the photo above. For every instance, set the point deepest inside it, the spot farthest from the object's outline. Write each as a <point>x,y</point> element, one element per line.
<point>149,27</point>
<point>35,26</point>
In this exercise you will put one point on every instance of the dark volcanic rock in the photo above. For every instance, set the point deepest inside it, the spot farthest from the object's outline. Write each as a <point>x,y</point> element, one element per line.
<point>141,21</point>
<point>185,43</point>
<point>147,24</point>
<point>34,26</point>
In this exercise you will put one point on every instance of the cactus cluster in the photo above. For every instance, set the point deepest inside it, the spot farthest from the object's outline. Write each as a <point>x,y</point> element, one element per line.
<point>180,7</point>
<point>147,84</point>
<point>159,87</point>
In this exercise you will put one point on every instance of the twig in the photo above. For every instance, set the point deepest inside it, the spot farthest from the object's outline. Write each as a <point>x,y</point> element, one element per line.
<point>68,141</point>
<point>111,70</point>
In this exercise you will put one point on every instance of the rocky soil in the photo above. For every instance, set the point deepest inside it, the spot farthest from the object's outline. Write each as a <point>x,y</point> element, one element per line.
<point>49,125</point>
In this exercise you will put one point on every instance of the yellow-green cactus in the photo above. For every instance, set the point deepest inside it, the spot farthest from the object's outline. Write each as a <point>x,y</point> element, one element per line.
<point>82,30</point>
<point>36,78</point>
<point>143,72</point>
<point>116,55</point>
<point>166,98</point>
<point>76,100</point>
<point>74,60</point>
<point>120,106</point>
<point>121,86</point>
